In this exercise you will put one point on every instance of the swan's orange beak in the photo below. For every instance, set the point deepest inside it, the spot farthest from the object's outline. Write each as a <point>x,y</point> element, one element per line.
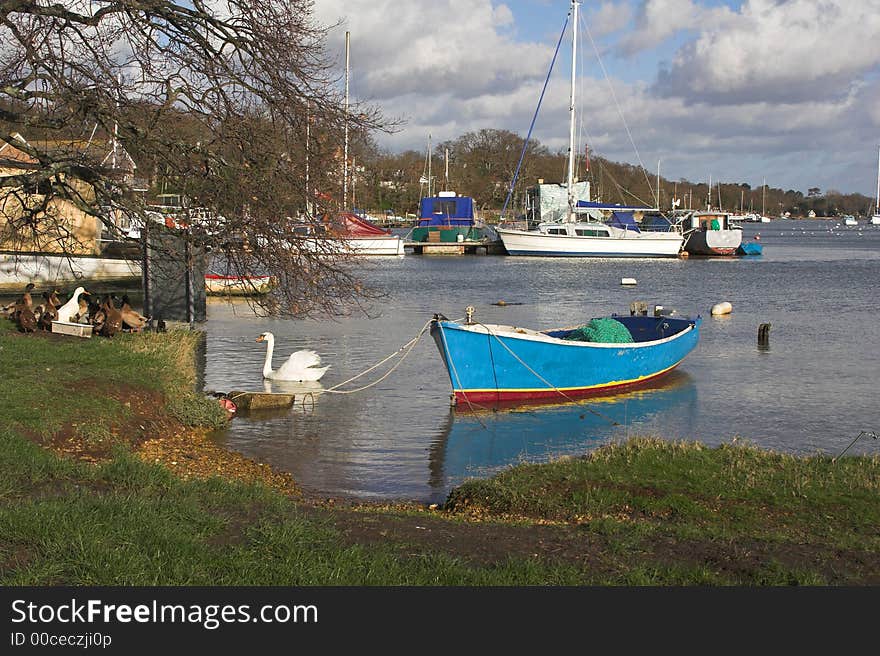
<point>259,339</point>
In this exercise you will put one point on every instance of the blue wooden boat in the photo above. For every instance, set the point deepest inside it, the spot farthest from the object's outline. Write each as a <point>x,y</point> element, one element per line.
<point>750,248</point>
<point>490,363</point>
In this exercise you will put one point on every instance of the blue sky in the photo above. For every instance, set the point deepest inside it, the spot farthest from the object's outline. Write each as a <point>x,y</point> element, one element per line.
<point>787,90</point>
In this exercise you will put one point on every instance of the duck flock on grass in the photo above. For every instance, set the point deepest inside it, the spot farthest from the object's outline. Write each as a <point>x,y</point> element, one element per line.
<point>102,314</point>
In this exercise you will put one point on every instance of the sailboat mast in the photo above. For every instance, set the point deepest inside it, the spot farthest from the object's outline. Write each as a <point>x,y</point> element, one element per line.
<point>429,167</point>
<point>308,142</point>
<point>571,199</point>
<point>878,181</point>
<point>763,194</point>
<point>115,121</point>
<point>345,148</point>
<point>446,177</point>
<point>658,183</point>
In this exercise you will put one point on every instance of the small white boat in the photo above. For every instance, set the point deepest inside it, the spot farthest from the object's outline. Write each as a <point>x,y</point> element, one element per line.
<point>849,220</point>
<point>348,233</point>
<point>218,285</point>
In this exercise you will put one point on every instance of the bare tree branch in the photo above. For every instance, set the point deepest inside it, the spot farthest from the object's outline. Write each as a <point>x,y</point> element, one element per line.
<point>211,101</point>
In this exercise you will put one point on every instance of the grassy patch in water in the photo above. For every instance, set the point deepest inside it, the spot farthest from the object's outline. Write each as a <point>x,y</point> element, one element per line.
<point>665,499</point>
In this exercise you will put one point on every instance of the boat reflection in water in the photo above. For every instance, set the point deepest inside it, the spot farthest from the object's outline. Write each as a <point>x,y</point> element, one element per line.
<point>478,442</point>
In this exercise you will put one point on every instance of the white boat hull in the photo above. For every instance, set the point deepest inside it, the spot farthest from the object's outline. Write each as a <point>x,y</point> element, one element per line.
<point>238,285</point>
<point>391,245</point>
<point>713,242</point>
<point>646,244</point>
<point>874,220</point>
<point>17,269</point>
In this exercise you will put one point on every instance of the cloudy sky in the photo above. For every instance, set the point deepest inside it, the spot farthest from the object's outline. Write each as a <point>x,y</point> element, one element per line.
<point>787,90</point>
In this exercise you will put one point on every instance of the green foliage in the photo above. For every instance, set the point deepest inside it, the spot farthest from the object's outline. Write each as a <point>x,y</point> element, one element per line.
<point>193,409</point>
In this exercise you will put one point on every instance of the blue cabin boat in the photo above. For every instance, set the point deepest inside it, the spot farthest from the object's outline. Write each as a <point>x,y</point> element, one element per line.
<point>444,217</point>
<point>498,364</point>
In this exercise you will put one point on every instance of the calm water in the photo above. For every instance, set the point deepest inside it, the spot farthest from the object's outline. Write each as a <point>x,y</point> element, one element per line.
<point>813,390</point>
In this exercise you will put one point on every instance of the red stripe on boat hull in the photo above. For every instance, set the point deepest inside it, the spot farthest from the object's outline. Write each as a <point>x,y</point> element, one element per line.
<point>493,396</point>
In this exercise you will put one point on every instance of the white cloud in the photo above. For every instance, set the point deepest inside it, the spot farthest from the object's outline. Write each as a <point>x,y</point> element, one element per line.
<point>772,89</point>
<point>779,51</point>
<point>610,17</point>
<point>659,20</point>
<point>455,47</point>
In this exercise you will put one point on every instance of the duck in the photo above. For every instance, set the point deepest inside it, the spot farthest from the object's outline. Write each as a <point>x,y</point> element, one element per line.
<point>82,312</point>
<point>66,311</point>
<point>300,366</point>
<point>132,320</point>
<point>14,309</point>
<point>112,318</point>
<point>50,311</point>
<point>26,320</point>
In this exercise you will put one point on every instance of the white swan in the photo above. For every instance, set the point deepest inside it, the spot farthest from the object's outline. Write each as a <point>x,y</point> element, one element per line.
<point>66,311</point>
<point>300,366</point>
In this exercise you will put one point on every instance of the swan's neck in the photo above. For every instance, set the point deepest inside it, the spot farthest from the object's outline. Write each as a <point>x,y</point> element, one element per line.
<point>267,365</point>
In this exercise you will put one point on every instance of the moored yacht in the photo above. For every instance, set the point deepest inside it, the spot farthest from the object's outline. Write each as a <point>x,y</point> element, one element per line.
<point>598,230</point>
<point>579,232</point>
<point>710,232</point>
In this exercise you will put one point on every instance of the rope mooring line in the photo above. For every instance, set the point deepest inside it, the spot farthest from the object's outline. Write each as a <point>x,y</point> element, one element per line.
<point>864,433</point>
<point>408,347</point>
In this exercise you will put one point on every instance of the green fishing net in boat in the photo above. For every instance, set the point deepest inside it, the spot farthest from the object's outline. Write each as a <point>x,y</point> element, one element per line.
<point>605,331</point>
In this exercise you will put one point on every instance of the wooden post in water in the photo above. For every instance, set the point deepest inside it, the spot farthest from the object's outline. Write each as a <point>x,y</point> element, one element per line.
<point>764,335</point>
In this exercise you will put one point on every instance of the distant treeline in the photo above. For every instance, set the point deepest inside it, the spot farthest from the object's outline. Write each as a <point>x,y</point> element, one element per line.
<point>478,164</point>
<point>482,165</point>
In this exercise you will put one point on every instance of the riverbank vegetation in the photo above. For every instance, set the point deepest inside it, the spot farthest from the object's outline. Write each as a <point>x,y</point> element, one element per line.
<point>104,480</point>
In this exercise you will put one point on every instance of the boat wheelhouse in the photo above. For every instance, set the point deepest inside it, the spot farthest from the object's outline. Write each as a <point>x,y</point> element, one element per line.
<point>710,232</point>
<point>446,217</point>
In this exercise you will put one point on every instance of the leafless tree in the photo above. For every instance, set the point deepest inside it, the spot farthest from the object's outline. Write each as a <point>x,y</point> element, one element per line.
<point>213,100</point>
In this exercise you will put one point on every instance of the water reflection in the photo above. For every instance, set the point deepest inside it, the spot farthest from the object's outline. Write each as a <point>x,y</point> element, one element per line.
<point>477,444</point>
<point>299,388</point>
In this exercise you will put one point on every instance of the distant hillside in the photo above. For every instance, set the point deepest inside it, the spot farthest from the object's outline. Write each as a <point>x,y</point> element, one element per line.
<point>482,165</point>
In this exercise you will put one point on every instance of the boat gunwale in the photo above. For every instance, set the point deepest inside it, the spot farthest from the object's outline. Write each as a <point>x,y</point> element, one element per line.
<point>542,337</point>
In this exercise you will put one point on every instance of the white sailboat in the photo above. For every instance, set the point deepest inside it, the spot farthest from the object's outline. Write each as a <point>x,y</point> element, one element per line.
<point>875,218</point>
<point>579,235</point>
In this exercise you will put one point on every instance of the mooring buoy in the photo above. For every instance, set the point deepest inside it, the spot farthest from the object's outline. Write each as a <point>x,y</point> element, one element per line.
<point>722,308</point>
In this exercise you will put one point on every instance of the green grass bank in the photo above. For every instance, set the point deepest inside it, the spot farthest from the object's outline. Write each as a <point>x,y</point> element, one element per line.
<point>89,495</point>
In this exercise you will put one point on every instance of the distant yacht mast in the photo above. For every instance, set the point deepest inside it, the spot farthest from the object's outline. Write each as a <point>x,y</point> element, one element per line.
<point>571,116</point>
<point>878,182</point>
